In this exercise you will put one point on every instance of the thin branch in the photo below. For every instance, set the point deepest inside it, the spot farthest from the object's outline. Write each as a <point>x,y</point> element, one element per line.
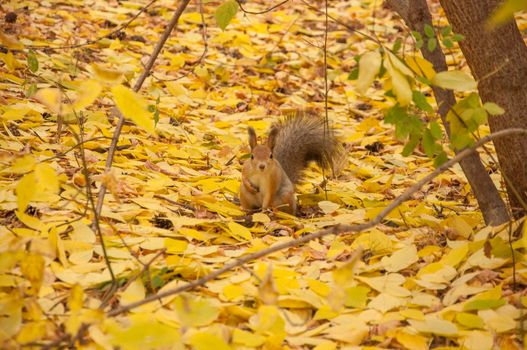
<point>89,196</point>
<point>111,152</point>
<point>273,49</point>
<point>339,22</point>
<point>94,41</point>
<point>200,59</point>
<point>326,89</point>
<point>184,206</point>
<point>337,229</point>
<point>63,153</point>
<point>260,12</point>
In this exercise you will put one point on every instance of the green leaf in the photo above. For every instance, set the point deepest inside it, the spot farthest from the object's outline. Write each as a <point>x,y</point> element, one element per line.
<point>420,101</point>
<point>483,304</point>
<point>157,282</point>
<point>32,61</point>
<point>382,71</point>
<point>440,159</point>
<point>156,117</point>
<point>469,113</point>
<point>469,320</point>
<point>446,31</point>
<point>354,74</point>
<point>31,90</point>
<point>423,80</point>
<point>471,101</point>
<point>493,109</point>
<point>429,30</point>
<point>408,125</point>
<point>410,146</point>
<point>225,13</point>
<point>454,80</point>
<point>458,37</point>
<point>417,35</point>
<point>428,143</point>
<point>397,45</point>
<point>448,43</point>
<point>395,114</point>
<point>418,40</point>
<point>461,140</point>
<point>466,114</point>
<point>480,116</point>
<point>435,130</point>
<point>432,44</point>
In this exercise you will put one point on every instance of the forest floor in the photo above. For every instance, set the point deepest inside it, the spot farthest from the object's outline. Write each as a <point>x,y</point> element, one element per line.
<point>431,275</point>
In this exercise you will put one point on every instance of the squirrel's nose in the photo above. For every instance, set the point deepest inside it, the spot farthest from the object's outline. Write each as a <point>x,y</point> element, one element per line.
<point>261,166</point>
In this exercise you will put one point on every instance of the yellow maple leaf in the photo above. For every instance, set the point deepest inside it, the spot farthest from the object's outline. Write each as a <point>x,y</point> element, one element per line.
<point>106,75</point>
<point>25,191</point>
<point>76,298</point>
<point>206,341</point>
<point>32,267</point>
<point>133,106</point>
<point>239,232</point>
<point>87,92</point>
<point>267,291</point>
<point>195,312</point>
<point>51,98</point>
<point>47,178</point>
<point>369,66</point>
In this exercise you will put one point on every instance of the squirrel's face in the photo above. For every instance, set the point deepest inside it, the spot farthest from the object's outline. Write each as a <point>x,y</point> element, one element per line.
<point>261,157</point>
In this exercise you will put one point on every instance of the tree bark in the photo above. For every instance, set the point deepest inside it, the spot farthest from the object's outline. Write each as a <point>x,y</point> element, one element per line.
<point>416,14</point>
<point>498,61</point>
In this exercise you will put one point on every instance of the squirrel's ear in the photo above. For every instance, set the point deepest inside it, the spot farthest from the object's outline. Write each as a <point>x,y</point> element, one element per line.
<point>252,137</point>
<point>271,139</point>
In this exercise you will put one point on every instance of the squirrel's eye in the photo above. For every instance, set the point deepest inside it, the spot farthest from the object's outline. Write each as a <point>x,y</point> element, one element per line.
<point>271,156</point>
<point>252,156</point>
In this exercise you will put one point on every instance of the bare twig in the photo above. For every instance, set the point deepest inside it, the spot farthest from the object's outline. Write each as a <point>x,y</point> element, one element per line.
<point>145,269</point>
<point>326,88</point>
<point>184,206</point>
<point>63,153</point>
<point>339,22</point>
<point>260,12</point>
<point>94,41</point>
<point>337,229</point>
<point>200,58</point>
<point>111,152</point>
<point>273,49</point>
<point>89,196</point>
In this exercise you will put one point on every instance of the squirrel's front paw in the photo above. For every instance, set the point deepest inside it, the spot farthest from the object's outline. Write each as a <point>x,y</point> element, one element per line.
<point>251,188</point>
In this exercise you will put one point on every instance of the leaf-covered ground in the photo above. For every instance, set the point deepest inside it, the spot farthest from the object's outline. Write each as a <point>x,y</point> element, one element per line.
<point>431,275</point>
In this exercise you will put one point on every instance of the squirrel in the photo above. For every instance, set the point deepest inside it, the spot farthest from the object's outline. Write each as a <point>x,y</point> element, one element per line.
<point>269,177</point>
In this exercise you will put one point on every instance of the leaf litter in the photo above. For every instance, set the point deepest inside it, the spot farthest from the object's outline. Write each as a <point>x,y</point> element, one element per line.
<point>430,276</point>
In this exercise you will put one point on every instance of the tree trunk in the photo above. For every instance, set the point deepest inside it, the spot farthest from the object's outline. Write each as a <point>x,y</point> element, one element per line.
<point>498,61</point>
<point>416,14</point>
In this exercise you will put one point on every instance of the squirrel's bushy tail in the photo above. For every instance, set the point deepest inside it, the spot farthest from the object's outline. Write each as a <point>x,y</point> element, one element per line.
<point>300,138</point>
